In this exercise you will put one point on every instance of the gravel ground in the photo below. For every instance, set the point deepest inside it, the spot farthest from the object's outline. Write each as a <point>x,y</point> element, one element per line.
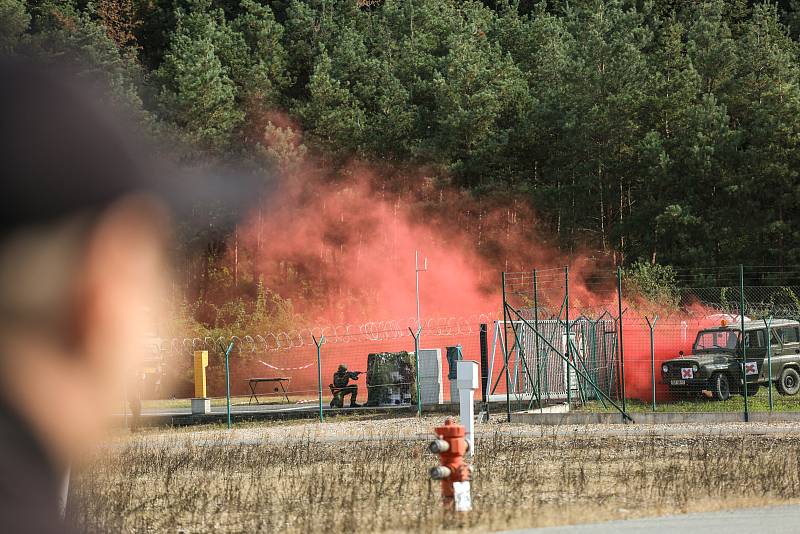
<point>203,479</point>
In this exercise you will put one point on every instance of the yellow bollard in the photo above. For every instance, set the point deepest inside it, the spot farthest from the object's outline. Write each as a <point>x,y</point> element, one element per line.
<point>200,403</point>
<point>200,364</point>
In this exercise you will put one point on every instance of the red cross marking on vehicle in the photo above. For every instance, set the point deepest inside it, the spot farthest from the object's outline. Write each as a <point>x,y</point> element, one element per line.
<point>751,368</point>
<point>687,372</point>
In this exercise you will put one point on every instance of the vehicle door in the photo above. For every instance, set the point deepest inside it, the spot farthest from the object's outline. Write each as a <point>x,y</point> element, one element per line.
<point>755,354</point>
<point>790,345</point>
<point>776,344</point>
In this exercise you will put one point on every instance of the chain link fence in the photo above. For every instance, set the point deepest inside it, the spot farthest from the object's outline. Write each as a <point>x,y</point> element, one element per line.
<point>622,347</point>
<point>297,367</point>
<point>595,342</point>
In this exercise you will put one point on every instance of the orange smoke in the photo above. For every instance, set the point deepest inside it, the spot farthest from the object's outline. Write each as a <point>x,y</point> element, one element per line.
<point>341,244</point>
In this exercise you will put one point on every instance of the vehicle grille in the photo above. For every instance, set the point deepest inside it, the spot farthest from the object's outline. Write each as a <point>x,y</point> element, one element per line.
<point>674,372</point>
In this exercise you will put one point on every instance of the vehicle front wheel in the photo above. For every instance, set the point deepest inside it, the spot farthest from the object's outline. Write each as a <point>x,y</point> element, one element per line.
<point>720,387</point>
<point>789,382</point>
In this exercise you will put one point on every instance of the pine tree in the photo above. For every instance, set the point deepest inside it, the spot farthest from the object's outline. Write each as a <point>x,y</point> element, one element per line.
<point>196,92</point>
<point>14,21</point>
<point>332,115</point>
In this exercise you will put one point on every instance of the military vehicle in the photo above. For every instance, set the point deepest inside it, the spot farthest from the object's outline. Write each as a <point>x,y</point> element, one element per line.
<point>716,361</point>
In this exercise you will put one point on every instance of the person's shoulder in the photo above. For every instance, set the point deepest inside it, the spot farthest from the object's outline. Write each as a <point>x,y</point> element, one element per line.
<point>28,484</point>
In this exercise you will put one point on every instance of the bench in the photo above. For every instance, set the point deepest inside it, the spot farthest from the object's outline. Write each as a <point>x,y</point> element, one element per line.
<point>254,382</point>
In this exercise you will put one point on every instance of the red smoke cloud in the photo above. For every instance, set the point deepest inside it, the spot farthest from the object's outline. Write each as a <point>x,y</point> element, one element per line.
<point>340,244</point>
<point>343,247</point>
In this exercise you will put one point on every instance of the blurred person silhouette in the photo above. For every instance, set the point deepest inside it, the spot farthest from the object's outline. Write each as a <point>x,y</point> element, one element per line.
<point>81,255</point>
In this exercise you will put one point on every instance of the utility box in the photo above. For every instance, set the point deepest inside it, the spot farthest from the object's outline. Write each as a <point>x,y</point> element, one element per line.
<point>467,375</point>
<point>453,357</point>
<point>430,376</point>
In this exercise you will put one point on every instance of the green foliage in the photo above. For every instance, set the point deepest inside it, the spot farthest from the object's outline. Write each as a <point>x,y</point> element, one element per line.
<point>197,92</point>
<point>660,130</point>
<point>14,21</point>
<point>337,118</point>
<point>654,283</point>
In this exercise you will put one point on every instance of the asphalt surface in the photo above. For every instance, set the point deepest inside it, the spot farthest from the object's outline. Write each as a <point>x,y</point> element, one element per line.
<point>768,520</point>
<point>267,408</point>
<point>235,409</point>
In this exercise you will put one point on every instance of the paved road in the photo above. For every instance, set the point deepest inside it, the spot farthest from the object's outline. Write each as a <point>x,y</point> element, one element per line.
<point>767,520</point>
<point>235,409</point>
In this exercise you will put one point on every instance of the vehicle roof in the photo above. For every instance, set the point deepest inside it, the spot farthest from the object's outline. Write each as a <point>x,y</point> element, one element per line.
<point>755,324</point>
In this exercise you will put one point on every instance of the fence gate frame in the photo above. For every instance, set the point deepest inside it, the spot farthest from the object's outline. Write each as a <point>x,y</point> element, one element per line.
<point>568,350</point>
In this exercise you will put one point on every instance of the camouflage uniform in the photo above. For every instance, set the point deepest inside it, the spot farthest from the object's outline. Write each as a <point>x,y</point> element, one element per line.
<point>341,379</point>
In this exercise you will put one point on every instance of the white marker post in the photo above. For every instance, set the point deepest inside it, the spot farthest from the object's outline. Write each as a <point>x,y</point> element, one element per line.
<point>467,382</point>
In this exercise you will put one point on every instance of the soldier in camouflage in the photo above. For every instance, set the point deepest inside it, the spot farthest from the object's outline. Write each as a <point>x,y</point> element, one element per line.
<point>341,381</point>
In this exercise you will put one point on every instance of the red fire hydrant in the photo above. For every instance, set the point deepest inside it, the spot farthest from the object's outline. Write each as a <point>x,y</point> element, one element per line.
<point>453,472</point>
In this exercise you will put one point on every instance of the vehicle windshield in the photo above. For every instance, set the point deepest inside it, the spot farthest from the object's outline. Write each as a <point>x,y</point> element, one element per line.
<point>716,340</point>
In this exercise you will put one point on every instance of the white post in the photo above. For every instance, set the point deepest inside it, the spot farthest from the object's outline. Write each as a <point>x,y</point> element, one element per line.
<point>467,382</point>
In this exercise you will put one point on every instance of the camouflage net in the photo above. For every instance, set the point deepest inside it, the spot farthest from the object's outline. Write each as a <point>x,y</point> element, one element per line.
<point>391,378</point>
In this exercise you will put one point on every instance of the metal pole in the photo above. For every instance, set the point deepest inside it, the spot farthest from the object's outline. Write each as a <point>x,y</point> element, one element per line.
<point>536,341</point>
<point>652,326</point>
<point>417,270</point>
<point>228,382</point>
<point>621,347</point>
<point>504,338</point>
<point>416,284</point>
<point>768,324</point>
<point>318,343</point>
<point>568,351</point>
<point>416,362</point>
<point>744,348</point>
<point>484,342</point>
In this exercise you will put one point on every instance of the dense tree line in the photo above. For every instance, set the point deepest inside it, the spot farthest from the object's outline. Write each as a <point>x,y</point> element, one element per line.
<point>659,131</point>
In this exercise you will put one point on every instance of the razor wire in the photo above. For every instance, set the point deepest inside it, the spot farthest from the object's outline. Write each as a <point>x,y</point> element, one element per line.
<point>370,331</point>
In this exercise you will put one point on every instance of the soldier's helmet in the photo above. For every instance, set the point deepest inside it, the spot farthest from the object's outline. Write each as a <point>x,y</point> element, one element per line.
<point>342,367</point>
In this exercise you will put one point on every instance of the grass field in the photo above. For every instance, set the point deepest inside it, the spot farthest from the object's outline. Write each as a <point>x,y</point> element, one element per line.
<point>293,479</point>
<point>757,403</point>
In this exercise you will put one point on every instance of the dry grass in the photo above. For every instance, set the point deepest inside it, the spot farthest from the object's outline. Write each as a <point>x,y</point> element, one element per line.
<point>303,485</point>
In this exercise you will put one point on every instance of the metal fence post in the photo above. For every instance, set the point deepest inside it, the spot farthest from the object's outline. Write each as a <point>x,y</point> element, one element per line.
<point>652,326</point>
<point>318,343</point>
<point>504,338</point>
<point>536,341</point>
<point>416,360</point>
<point>620,343</point>
<point>228,382</point>
<point>768,325</point>
<point>568,351</point>
<point>484,343</point>
<point>744,347</point>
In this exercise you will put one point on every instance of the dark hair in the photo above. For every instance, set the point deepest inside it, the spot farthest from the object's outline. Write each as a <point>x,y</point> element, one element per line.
<point>61,155</point>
